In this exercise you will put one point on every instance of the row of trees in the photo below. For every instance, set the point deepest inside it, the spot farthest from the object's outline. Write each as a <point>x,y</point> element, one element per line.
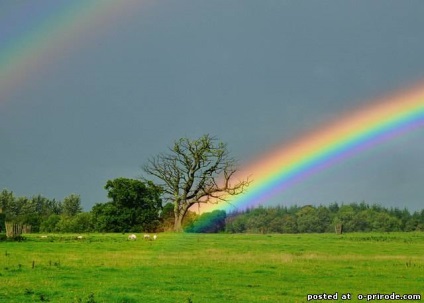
<point>136,206</point>
<point>193,172</point>
<point>354,217</point>
<point>40,212</point>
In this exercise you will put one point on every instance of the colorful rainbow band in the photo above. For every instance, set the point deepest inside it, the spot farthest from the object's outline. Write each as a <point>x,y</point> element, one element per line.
<point>353,133</point>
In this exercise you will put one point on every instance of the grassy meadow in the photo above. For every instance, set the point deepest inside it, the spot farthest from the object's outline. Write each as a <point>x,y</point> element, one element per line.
<point>192,268</point>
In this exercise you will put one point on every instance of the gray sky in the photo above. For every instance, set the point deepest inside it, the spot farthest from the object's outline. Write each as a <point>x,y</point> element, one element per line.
<point>252,73</point>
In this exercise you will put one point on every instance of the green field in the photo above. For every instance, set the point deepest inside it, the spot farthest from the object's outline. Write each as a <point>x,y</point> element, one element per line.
<point>210,267</point>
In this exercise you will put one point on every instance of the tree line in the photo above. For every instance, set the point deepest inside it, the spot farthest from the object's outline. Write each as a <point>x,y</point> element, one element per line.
<point>136,206</point>
<point>41,213</point>
<point>353,217</point>
<point>191,173</point>
<point>198,171</point>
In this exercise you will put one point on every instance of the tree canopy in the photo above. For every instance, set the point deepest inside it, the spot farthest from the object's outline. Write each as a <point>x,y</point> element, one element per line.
<point>131,198</point>
<point>135,206</point>
<point>195,171</point>
<point>354,217</point>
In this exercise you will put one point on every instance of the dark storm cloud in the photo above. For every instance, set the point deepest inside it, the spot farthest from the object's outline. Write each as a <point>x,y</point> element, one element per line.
<point>253,73</point>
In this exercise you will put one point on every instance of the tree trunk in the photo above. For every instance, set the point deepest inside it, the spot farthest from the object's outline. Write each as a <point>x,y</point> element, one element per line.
<point>13,230</point>
<point>178,223</point>
<point>179,214</point>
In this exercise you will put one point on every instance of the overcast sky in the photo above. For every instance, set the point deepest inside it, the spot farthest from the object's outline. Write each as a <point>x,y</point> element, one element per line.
<point>251,73</point>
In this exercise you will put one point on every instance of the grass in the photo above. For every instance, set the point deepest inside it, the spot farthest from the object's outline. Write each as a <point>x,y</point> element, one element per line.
<point>192,268</point>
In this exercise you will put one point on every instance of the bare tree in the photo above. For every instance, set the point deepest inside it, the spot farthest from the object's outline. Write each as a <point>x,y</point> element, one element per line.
<point>195,171</point>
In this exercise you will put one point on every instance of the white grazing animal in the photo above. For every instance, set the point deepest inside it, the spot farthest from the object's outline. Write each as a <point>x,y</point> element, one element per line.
<point>155,237</point>
<point>146,237</point>
<point>80,237</point>
<point>44,237</point>
<point>132,237</point>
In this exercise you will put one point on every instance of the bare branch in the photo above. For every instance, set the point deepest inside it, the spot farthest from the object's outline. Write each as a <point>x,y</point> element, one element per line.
<point>196,171</point>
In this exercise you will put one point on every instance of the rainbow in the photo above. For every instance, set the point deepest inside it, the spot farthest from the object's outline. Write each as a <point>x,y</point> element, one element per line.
<point>35,36</point>
<point>351,134</point>
<point>63,26</point>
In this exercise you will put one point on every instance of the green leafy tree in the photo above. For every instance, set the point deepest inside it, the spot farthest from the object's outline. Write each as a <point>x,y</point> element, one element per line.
<point>30,211</point>
<point>71,205</point>
<point>324,219</point>
<point>413,224</point>
<point>19,209</point>
<point>308,220</point>
<point>6,200</point>
<point>33,211</point>
<point>2,220</point>
<point>258,221</point>
<point>289,224</point>
<point>276,224</point>
<point>403,215</point>
<point>195,171</point>
<point>50,225</point>
<point>362,220</point>
<point>345,216</point>
<point>135,205</point>
<point>236,223</point>
<point>384,222</point>
<point>106,218</point>
<point>81,222</point>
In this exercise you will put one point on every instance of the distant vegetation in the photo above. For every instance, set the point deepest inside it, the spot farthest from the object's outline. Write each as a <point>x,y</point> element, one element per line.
<point>354,217</point>
<point>136,206</point>
<point>193,172</point>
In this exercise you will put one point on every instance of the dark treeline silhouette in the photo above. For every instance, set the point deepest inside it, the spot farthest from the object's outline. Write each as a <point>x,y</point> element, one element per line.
<point>353,217</point>
<point>43,214</point>
<point>136,206</point>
